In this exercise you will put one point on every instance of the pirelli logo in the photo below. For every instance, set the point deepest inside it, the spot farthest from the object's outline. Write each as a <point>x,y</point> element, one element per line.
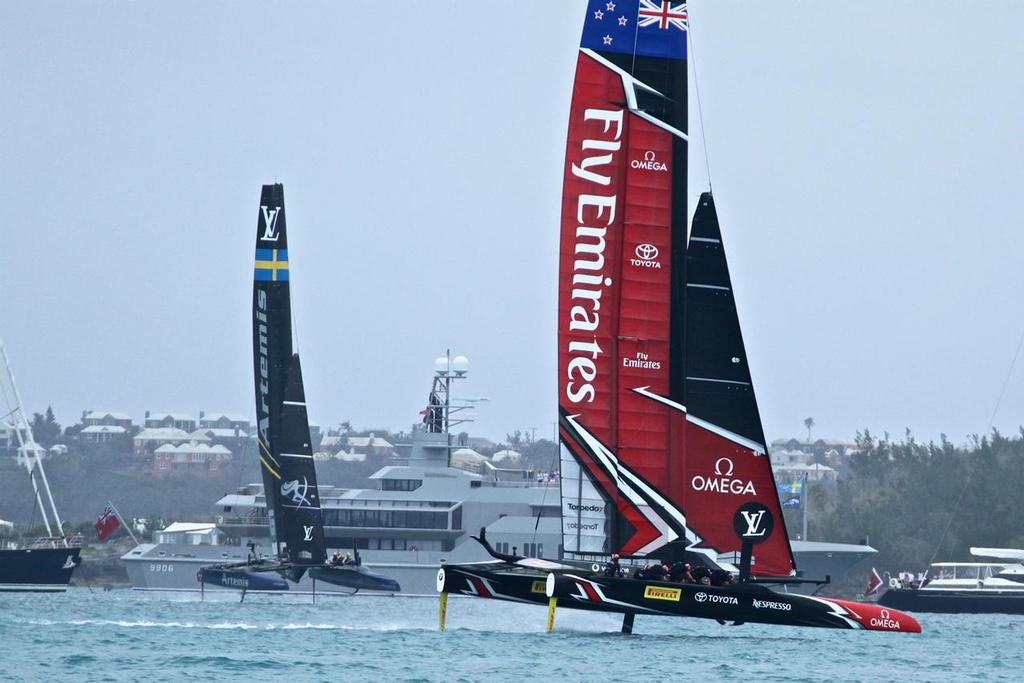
<point>659,593</point>
<point>539,587</point>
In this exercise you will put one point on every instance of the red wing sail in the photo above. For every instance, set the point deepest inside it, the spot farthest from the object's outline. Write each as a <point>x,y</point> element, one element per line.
<point>660,434</point>
<point>624,200</point>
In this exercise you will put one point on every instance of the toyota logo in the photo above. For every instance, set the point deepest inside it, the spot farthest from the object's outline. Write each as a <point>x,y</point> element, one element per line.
<point>646,252</point>
<point>701,597</point>
<point>727,469</point>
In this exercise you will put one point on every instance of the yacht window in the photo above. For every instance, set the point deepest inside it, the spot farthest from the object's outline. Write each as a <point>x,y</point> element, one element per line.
<point>400,484</point>
<point>967,572</point>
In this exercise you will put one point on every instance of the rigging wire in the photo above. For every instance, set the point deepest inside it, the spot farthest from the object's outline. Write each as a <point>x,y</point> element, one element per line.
<point>700,109</point>
<point>970,474</point>
<point>291,307</point>
<point>544,496</point>
<point>245,453</point>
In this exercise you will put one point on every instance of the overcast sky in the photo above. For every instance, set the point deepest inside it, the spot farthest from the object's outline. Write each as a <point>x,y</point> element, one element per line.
<point>867,163</point>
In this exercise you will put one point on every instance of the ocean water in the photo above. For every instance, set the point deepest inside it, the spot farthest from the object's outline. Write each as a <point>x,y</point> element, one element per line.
<point>129,636</point>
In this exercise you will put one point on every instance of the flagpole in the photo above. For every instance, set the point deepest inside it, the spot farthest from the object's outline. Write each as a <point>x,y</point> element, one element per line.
<point>125,524</point>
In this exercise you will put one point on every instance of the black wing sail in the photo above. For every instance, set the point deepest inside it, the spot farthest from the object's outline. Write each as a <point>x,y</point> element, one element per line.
<point>272,341</point>
<point>724,425</point>
<point>718,384</point>
<point>299,516</point>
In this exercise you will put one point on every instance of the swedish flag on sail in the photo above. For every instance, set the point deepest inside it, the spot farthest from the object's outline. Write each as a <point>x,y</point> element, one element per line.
<point>271,265</point>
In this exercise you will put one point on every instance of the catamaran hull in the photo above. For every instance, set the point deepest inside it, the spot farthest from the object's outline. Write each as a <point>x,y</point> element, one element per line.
<point>242,579</point>
<point>356,578</point>
<point>37,570</point>
<point>736,604</point>
<point>955,602</point>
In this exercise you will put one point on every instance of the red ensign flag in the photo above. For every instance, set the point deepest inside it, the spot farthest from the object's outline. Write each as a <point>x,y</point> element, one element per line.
<point>107,523</point>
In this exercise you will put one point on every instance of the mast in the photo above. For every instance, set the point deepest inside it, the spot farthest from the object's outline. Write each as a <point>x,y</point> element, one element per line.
<point>32,459</point>
<point>272,343</point>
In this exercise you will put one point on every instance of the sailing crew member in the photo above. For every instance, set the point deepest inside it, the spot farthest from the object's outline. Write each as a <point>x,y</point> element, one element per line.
<point>348,561</point>
<point>657,572</point>
<point>721,577</point>
<point>336,558</point>
<point>680,573</point>
<point>612,567</point>
<point>702,575</point>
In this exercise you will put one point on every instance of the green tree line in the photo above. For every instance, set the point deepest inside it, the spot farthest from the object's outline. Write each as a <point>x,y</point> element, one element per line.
<point>923,502</point>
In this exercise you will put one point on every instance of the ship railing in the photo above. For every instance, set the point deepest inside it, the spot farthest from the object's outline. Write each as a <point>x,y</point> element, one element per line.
<point>519,484</point>
<point>47,542</point>
<point>243,520</point>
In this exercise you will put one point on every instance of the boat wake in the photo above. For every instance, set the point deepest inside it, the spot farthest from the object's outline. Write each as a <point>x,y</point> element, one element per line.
<point>229,626</point>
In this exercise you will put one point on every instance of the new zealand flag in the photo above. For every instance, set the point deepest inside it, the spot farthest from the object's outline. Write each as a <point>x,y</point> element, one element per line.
<point>651,28</point>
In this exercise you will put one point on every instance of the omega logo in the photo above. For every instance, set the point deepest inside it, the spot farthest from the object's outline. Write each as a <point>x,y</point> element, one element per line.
<point>650,163</point>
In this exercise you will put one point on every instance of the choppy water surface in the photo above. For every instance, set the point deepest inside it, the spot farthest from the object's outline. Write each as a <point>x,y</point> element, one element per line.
<point>129,636</point>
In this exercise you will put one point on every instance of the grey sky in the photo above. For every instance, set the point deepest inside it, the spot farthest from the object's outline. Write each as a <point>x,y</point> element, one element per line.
<point>866,159</point>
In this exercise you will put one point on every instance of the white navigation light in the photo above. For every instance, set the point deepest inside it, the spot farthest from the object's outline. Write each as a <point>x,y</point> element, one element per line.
<point>441,365</point>
<point>461,365</point>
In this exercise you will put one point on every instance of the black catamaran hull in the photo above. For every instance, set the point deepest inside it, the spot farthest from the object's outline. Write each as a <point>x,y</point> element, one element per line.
<point>42,570</point>
<point>736,604</point>
<point>355,577</point>
<point>955,602</point>
<point>242,578</point>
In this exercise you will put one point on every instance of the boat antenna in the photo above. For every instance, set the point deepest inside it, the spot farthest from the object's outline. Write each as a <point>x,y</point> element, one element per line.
<point>970,474</point>
<point>696,88</point>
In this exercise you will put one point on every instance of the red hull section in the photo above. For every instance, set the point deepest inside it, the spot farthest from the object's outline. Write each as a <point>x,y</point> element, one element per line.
<point>878,618</point>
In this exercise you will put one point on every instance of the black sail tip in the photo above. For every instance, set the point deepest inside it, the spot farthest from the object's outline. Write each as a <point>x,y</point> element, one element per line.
<point>294,391</point>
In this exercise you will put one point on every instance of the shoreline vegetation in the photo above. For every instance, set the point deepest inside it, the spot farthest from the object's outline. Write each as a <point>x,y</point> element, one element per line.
<point>914,502</point>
